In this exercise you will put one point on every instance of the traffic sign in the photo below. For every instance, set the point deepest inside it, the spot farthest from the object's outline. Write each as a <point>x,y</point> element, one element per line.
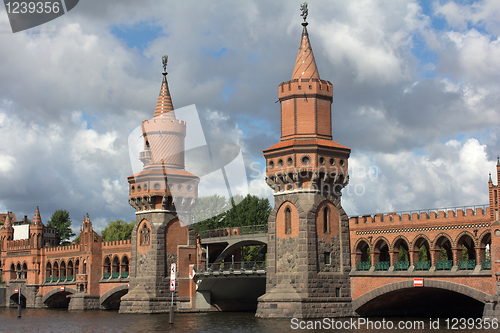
<point>418,282</point>
<point>62,288</point>
<point>16,291</point>
<point>172,285</point>
<point>191,274</point>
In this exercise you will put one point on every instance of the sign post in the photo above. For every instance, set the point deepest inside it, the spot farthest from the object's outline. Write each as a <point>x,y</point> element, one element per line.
<point>172,289</point>
<point>18,291</point>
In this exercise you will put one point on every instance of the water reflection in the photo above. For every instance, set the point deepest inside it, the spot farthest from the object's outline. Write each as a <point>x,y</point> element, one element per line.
<point>58,320</point>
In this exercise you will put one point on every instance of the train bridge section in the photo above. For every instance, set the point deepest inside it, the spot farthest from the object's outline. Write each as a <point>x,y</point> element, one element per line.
<point>419,263</point>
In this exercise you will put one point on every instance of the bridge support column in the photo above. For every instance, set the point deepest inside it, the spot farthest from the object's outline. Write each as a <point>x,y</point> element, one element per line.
<point>84,301</point>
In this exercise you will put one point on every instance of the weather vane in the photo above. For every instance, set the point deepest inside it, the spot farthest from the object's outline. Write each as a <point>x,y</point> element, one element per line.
<point>164,59</point>
<point>304,10</point>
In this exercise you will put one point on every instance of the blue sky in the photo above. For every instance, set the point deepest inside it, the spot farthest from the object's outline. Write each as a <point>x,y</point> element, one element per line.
<point>416,95</point>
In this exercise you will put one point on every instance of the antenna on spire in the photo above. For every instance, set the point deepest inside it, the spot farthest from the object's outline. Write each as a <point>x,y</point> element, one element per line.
<point>304,12</point>
<point>164,60</point>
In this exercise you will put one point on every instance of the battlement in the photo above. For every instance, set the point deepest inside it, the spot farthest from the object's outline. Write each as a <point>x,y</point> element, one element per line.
<point>305,86</point>
<point>125,242</point>
<point>67,248</point>
<point>430,215</point>
<point>20,244</point>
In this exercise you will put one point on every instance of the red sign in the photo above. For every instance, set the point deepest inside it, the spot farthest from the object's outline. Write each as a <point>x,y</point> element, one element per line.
<point>172,277</point>
<point>172,285</point>
<point>62,288</point>
<point>418,282</point>
<point>16,291</point>
<point>191,275</point>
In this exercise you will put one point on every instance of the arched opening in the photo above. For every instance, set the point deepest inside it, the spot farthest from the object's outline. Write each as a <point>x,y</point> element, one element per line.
<point>401,256</point>
<point>363,258</point>
<point>12,275</point>
<point>421,255</point>
<point>466,253</point>
<point>18,271</point>
<point>55,272</point>
<point>77,267</point>
<point>14,300</point>
<point>84,268</point>
<point>24,271</point>
<point>48,272</point>
<point>124,267</point>
<point>62,270</point>
<point>326,220</point>
<point>288,220</point>
<point>70,271</point>
<point>443,255</point>
<point>58,299</point>
<point>106,268</point>
<point>423,302</point>
<point>381,256</point>
<point>485,251</point>
<point>116,268</point>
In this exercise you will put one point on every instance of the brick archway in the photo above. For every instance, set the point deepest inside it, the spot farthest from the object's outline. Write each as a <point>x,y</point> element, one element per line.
<point>455,287</point>
<point>110,293</point>
<point>56,291</point>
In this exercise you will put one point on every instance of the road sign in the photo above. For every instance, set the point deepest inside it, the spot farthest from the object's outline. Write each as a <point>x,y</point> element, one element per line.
<point>172,284</point>
<point>62,288</point>
<point>191,274</point>
<point>16,291</point>
<point>172,277</point>
<point>418,282</point>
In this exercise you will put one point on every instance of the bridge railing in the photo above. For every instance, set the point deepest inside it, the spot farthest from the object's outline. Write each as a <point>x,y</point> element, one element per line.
<point>233,266</point>
<point>234,231</point>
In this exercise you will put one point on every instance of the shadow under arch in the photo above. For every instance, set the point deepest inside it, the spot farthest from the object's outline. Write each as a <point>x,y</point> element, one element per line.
<point>57,298</point>
<point>111,299</point>
<point>436,299</point>
<point>235,246</point>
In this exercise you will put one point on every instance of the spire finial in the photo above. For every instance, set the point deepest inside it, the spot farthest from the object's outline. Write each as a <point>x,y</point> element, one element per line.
<point>489,180</point>
<point>164,60</point>
<point>498,161</point>
<point>304,12</point>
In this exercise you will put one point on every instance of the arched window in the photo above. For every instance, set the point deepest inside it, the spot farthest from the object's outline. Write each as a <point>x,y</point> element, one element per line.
<point>288,220</point>
<point>326,220</point>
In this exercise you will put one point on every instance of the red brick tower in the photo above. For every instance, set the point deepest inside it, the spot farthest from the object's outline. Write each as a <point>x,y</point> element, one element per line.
<point>162,194</point>
<point>6,232</point>
<point>308,261</point>
<point>36,229</point>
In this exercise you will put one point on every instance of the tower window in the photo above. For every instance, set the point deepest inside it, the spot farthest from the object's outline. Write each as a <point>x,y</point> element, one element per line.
<point>305,160</point>
<point>327,258</point>
<point>326,220</point>
<point>288,221</point>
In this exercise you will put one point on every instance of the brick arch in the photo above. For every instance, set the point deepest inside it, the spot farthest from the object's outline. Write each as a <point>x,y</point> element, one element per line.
<point>362,239</point>
<point>381,238</point>
<point>417,237</point>
<point>445,235</point>
<point>396,239</point>
<point>111,292</point>
<point>55,291</point>
<point>294,220</point>
<point>468,233</point>
<point>235,246</point>
<point>455,287</point>
<point>483,235</point>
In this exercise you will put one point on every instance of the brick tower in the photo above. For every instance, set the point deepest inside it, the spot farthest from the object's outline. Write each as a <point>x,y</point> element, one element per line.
<point>308,261</point>
<point>162,194</point>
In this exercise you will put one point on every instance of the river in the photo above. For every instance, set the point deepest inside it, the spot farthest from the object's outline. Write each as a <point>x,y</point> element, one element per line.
<point>61,320</point>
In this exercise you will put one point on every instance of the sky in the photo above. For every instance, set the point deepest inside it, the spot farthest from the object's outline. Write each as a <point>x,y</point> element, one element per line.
<point>416,95</point>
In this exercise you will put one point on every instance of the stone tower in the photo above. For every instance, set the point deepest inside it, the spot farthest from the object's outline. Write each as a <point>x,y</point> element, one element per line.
<point>162,194</point>
<point>308,261</point>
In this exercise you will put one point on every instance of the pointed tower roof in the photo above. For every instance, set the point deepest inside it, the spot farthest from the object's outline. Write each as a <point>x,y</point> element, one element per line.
<point>164,106</point>
<point>8,222</point>
<point>305,65</point>
<point>37,220</point>
<point>489,180</point>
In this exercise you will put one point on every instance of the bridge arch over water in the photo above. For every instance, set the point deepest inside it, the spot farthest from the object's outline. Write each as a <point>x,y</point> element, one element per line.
<point>111,299</point>
<point>57,298</point>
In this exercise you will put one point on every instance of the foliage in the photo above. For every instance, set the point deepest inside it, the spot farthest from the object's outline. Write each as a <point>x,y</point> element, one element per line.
<point>253,252</point>
<point>61,221</point>
<point>443,255</point>
<point>243,211</point>
<point>210,212</point>
<point>422,253</point>
<point>117,230</point>
<point>403,254</point>
<point>465,253</point>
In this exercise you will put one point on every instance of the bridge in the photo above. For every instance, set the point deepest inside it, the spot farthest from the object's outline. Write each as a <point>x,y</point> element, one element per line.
<point>447,250</point>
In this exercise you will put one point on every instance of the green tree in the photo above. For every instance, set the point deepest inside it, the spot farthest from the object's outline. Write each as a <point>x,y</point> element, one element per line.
<point>465,252</point>
<point>422,253</point>
<point>209,212</point>
<point>117,230</point>
<point>403,254</point>
<point>246,211</point>
<point>61,221</point>
<point>443,255</point>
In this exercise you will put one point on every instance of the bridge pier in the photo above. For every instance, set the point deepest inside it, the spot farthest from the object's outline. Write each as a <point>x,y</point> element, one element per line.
<point>83,301</point>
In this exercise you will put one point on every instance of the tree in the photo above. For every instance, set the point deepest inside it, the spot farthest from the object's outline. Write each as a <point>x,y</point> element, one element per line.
<point>117,230</point>
<point>249,210</point>
<point>209,213</point>
<point>61,221</point>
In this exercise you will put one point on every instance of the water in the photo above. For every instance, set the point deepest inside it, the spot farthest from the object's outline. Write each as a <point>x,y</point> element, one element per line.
<point>61,320</point>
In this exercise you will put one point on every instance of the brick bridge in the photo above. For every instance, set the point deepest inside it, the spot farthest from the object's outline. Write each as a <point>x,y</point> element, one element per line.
<point>449,249</point>
<point>90,275</point>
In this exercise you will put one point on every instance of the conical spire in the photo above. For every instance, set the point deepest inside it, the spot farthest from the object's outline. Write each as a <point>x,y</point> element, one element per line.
<point>164,106</point>
<point>37,220</point>
<point>305,65</point>
<point>8,222</point>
